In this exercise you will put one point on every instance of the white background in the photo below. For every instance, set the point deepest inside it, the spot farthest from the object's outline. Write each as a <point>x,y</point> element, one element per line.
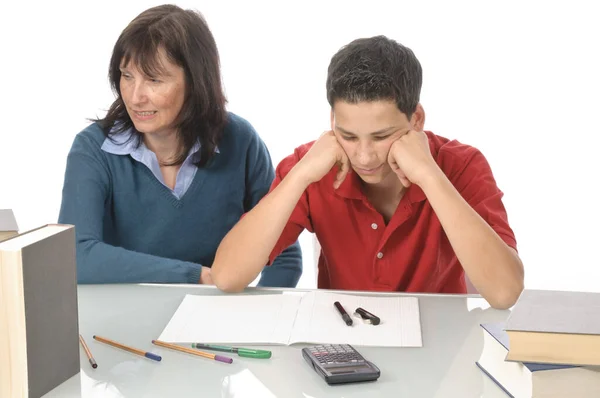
<point>517,79</point>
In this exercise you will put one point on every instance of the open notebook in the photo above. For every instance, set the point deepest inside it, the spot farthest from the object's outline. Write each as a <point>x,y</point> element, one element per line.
<point>294,317</point>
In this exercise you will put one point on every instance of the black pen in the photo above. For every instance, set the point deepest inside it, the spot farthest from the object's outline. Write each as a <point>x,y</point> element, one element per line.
<point>367,315</point>
<point>343,313</point>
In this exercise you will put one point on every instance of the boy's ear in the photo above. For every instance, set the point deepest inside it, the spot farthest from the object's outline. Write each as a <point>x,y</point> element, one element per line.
<point>331,119</point>
<point>417,120</point>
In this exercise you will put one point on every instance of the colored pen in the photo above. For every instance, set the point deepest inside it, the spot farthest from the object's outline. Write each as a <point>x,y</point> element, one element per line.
<point>148,355</point>
<point>242,352</point>
<point>88,352</point>
<point>367,315</point>
<point>193,352</point>
<point>343,313</point>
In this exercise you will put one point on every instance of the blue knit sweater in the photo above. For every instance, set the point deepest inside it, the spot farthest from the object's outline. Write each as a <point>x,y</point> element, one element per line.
<point>131,229</point>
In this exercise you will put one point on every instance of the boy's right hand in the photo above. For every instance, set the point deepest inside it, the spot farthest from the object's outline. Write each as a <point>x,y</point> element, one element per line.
<point>325,153</point>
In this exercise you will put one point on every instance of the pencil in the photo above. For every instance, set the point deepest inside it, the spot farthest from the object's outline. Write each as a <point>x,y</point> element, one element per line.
<point>199,353</point>
<point>87,352</point>
<point>130,349</point>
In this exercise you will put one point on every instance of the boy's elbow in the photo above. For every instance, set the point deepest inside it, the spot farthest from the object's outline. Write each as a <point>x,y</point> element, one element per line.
<point>223,280</point>
<point>227,285</point>
<point>229,288</point>
<point>507,297</point>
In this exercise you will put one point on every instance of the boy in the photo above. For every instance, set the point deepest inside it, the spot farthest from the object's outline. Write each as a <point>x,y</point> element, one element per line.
<point>394,208</point>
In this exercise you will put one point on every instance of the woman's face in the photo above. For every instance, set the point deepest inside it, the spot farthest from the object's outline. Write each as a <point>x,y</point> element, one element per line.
<point>153,102</point>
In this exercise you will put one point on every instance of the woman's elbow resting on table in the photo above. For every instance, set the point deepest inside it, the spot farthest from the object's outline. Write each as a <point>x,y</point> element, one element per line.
<point>85,270</point>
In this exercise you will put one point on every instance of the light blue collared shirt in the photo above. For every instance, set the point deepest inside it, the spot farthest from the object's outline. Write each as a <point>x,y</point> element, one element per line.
<point>125,144</point>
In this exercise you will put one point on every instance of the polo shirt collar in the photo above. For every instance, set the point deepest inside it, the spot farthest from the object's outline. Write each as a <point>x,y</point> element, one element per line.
<point>351,188</point>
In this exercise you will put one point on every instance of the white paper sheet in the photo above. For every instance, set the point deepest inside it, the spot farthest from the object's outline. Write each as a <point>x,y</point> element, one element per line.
<point>294,317</point>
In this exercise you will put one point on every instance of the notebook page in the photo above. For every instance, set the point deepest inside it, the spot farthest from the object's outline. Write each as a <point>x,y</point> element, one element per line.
<point>249,319</point>
<point>319,322</point>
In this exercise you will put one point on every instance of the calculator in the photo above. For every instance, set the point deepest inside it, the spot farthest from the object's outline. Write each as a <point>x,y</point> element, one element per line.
<point>340,363</point>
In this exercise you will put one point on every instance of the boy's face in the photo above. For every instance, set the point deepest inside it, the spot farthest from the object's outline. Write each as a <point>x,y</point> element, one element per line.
<point>366,131</point>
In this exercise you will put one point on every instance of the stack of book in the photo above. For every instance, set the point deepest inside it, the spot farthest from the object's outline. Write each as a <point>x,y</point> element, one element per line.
<point>39,334</point>
<point>548,347</point>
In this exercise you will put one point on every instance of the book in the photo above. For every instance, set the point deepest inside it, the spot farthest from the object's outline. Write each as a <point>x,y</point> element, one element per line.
<point>39,336</point>
<point>294,317</point>
<point>555,327</point>
<point>533,380</point>
<point>8,224</point>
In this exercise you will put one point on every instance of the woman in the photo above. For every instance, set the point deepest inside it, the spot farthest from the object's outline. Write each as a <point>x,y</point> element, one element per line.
<point>154,186</point>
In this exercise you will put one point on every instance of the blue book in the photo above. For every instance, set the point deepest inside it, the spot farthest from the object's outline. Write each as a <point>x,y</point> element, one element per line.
<point>533,380</point>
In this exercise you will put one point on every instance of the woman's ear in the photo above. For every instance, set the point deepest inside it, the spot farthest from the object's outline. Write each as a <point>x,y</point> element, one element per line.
<point>417,119</point>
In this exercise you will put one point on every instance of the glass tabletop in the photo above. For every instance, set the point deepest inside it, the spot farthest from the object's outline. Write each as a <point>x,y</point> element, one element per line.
<point>443,367</point>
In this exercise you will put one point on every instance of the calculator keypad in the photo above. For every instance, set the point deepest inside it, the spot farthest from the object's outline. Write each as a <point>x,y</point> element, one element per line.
<point>335,353</point>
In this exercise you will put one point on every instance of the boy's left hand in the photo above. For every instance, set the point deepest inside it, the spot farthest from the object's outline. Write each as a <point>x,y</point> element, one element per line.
<point>410,158</point>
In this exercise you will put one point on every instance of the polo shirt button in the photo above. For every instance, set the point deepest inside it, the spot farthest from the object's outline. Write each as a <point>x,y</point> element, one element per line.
<point>374,226</point>
<point>379,255</point>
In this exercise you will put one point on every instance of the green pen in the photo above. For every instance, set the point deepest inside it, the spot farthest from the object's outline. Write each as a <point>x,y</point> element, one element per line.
<point>242,352</point>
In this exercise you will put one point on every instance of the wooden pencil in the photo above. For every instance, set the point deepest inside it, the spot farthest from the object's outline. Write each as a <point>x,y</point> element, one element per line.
<point>126,348</point>
<point>88,352</point>
<point>192,351</point>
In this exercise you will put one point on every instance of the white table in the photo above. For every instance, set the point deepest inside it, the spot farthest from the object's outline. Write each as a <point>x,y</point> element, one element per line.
<point>136,314</point>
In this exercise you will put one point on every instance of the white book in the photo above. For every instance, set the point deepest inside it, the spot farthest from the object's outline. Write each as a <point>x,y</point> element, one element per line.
<point>294,317</point>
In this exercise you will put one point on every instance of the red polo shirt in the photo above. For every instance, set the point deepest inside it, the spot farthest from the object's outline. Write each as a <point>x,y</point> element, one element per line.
<point>412,253</point>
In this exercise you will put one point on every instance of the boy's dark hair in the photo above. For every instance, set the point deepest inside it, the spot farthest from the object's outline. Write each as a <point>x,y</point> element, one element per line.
<point>188,42</point>
<point>375,68</point>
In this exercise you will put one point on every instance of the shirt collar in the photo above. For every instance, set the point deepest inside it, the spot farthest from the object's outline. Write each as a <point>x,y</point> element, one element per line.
<point>351,188</point>
<point>126,143</point>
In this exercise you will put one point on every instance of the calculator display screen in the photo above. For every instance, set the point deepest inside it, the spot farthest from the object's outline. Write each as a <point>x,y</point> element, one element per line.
<point>345,369</point>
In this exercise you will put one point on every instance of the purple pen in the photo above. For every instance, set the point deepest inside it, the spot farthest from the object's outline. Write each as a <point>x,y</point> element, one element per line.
<point>221,358</point>
<point>199,353</point>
